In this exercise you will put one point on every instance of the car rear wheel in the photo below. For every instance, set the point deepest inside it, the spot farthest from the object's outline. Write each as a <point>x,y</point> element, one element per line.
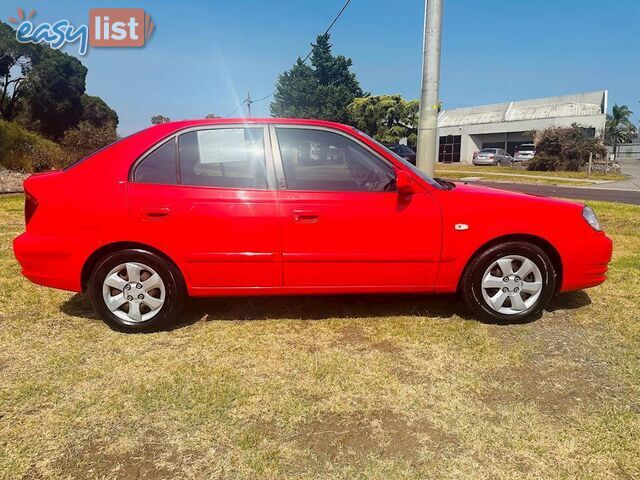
<point>136,291</point>
<point>509,282</point>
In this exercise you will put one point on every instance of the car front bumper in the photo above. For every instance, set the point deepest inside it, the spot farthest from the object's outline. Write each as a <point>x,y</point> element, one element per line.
<point>587,264</point>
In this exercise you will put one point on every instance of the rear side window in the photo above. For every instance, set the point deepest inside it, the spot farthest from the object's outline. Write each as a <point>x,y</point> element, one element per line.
<point>223,157</point>
<point>159,166</point>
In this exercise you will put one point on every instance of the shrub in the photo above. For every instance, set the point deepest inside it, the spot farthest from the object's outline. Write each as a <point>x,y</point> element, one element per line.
<point>564,148</point>
<point>86,138</point>
<point>542,163</point>
<point>26,151</point>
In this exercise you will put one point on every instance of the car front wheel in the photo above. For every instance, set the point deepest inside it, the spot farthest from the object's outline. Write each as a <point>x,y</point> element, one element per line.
<point>136,291</point>
<point>509,282</point>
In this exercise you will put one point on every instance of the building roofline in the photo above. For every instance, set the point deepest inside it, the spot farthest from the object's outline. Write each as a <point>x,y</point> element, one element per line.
<point>599,97</point>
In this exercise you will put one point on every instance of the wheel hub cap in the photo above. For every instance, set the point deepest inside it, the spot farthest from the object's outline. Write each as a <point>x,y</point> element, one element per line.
<point>512,284</point>
<point>134,292</point>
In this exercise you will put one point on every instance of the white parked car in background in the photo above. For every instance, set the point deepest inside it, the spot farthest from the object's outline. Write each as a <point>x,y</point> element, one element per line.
<point>524,152</point>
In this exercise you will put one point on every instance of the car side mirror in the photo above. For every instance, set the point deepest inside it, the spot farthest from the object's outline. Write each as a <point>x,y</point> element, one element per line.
<point>404,183</point>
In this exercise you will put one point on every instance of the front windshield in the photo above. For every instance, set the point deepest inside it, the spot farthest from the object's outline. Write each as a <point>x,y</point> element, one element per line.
<point>411,167</point>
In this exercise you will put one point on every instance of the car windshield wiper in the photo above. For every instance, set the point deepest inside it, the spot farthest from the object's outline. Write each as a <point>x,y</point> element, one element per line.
<point>445,183</point>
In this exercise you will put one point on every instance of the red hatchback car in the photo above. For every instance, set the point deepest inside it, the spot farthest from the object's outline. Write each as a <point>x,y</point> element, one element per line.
<point>280,206</point>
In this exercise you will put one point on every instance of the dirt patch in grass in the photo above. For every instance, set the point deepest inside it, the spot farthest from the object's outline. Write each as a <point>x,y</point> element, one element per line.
<point>385,435</point>
<point>387,346</point>
<point>355,337</point>
<point>146,461</point>
<point>352,336</point>
<point>560,367</point>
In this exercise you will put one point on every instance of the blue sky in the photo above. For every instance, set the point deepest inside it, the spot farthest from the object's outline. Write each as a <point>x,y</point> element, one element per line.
<point>206,54</point>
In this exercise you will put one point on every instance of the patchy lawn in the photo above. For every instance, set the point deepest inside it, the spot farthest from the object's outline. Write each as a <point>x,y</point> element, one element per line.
<point>516,174</point>
<point>339,387</point>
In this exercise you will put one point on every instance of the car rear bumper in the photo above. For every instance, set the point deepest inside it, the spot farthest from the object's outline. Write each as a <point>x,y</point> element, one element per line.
<point>484,162</point>
<point>588,263</point>
<point>48,260</point>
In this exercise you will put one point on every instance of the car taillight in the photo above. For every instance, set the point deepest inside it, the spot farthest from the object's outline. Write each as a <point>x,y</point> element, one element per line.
<point>491,155</point>
<point>30,206</point>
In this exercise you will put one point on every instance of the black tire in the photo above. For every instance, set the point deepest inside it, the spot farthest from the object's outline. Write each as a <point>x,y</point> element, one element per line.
<point>471,290</point>
<point>175,291</point>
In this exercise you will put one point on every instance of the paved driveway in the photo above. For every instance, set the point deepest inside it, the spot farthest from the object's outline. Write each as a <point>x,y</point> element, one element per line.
<point>629,167</point>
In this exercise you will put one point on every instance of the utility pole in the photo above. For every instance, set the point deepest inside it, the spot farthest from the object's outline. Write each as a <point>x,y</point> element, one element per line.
<point>427,153</point>
<point>249,102</point>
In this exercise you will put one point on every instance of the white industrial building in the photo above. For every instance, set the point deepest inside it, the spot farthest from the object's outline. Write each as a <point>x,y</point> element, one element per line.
<point>463,131</point>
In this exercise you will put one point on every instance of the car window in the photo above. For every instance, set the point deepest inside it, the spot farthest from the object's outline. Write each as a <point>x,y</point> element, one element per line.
<point>488,150</point>
<point>159,166</point>
<point>322,160</point>
<point>223,157</point>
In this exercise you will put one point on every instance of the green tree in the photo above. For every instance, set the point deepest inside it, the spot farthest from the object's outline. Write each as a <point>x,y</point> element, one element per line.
<point>97,112</point>
<point>296,93</point>
<point>323,90</point>
<point>53,92</point>
<point>619,128</point>
<point>388,118</point>
<point>15,65</point>
<point>158,119</point>
<point>44,89</point>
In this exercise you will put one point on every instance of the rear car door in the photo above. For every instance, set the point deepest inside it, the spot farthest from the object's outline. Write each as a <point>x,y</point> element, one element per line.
<point>207,197</point>
<point>344,227</point>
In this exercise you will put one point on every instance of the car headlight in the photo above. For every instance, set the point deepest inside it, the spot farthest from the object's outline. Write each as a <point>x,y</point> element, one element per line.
<point>591,218</point>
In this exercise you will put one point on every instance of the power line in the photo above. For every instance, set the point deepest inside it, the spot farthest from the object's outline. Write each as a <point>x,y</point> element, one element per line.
<point>329,27</point>
<point>333,22</point>
<point>237,108</point>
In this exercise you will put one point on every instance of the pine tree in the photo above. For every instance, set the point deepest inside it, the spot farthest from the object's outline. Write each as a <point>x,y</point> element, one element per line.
<point>323,90</point>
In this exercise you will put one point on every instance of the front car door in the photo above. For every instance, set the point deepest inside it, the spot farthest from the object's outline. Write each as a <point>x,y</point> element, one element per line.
<point>207,197</point>
<point>344,227</point>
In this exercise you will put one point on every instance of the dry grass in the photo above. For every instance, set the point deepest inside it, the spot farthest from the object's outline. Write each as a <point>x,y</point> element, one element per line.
<point>353,387</point>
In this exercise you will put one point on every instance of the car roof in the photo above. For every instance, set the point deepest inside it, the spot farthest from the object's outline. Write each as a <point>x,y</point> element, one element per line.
<point>163,130</point>
<point>180,124</point>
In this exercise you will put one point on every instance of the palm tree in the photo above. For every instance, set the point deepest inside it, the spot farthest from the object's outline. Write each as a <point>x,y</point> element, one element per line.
<point>619,127</point>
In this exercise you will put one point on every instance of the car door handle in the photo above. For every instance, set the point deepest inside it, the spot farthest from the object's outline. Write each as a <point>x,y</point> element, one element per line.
<point>305,216</point>
<point>155,213</point>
